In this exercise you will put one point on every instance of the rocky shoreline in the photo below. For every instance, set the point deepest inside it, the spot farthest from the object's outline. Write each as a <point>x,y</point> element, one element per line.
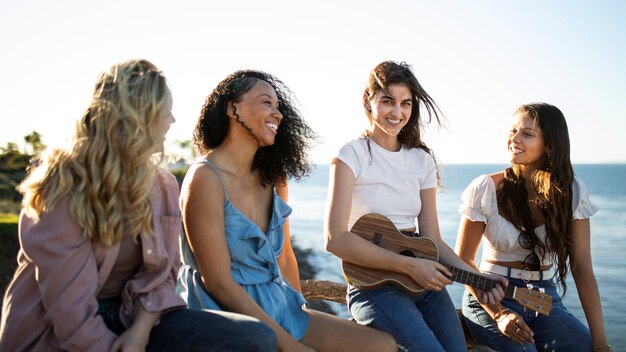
<point>308,272</point>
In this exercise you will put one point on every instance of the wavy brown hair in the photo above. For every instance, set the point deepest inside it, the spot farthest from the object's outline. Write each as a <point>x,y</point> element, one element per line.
<point>553,185</point>
<point>107,169</point>
<point>287,157</point>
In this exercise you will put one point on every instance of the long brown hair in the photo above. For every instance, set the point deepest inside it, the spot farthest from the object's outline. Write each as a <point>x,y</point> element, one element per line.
<point>553,185</point>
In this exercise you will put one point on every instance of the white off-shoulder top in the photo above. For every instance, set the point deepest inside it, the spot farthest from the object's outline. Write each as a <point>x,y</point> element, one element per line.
<point>500,240</point>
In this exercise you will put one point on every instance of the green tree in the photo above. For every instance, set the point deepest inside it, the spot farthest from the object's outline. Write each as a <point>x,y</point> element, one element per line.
<point>11,147</point>
<point>14,164</point>
<point>33,140</point>
<point>187,147</point>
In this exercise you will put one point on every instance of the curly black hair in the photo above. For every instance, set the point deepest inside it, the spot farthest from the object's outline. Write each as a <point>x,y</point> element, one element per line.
<point>287,157</point>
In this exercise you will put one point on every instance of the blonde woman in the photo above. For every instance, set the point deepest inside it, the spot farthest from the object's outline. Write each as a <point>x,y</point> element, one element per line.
<point>99,238</point>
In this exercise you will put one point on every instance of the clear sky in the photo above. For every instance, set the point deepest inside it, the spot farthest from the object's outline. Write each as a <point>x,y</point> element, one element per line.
<point>478,59</point>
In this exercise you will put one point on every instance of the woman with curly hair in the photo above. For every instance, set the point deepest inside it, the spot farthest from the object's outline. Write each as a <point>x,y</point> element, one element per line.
<point>99,235</point>
<point>533,219</point>
<point>237,255</point>
<point>389,170</point>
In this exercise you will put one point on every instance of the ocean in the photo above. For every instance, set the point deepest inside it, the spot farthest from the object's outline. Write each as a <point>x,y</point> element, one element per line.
<point>607,187</point>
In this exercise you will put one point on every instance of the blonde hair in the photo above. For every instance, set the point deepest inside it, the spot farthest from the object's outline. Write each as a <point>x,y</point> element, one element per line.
<point>107,169</point>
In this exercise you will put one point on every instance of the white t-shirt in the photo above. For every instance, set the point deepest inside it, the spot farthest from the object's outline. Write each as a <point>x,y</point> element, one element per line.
<point>388,183</point>
<point>500,240</point>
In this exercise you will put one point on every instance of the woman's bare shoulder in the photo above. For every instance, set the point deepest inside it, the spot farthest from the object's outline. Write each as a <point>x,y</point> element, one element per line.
<point>201,179</point>
<point>497,178</point>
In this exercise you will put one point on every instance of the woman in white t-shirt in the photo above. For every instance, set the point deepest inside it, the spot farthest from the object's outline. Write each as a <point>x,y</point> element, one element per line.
<point>533,219</point>
<point>390,171</point>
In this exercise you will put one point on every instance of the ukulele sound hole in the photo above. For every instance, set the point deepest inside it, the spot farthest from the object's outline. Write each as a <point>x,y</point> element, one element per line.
<point>408,253</point>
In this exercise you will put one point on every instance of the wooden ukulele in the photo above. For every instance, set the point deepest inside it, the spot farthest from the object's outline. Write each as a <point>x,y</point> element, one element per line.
<point>381,231</point>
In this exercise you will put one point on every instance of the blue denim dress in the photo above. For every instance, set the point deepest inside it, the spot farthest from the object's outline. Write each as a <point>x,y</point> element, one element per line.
<point>254,266</point>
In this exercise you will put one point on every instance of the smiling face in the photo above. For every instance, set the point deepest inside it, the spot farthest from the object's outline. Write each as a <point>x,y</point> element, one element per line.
<point>258,111</point>
<point>525,142</point>
<point>390,110</point>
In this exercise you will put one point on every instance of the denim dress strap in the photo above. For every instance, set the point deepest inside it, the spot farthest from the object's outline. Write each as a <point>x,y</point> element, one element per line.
<point>219,175</point>
<point>253,265</point>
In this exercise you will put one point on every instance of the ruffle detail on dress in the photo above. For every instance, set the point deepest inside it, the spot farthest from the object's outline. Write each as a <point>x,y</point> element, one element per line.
<point>267,246</point>
<point>280,211</point>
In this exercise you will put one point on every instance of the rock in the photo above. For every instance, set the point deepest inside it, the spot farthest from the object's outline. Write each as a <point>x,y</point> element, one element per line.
<point>308,272</point>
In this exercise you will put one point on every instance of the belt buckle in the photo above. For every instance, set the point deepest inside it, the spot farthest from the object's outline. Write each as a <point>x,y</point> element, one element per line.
<point>525,275</point>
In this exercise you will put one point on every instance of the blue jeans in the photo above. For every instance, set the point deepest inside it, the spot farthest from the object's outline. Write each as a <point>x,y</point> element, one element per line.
<point>197,330</point>
<point>560,331</point>
<point>425,322</point>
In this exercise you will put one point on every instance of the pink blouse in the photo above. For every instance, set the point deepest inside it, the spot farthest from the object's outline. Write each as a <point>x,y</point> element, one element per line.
<point>51,302</point>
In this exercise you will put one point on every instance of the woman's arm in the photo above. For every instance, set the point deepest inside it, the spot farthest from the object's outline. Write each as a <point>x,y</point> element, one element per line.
<point>154,286</point>
<point>66,276</point>
<point>350,247</point>
<point>202,204</point>
<point>467,242</point>
<point>429,227</point>
<point>428,222</point>
<point>287,259</point>
<point>586,284</point>
<point>137,336</point>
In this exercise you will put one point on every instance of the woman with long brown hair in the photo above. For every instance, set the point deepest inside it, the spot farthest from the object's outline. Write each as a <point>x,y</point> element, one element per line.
<point>533,219</point>
<point>390,171</point>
